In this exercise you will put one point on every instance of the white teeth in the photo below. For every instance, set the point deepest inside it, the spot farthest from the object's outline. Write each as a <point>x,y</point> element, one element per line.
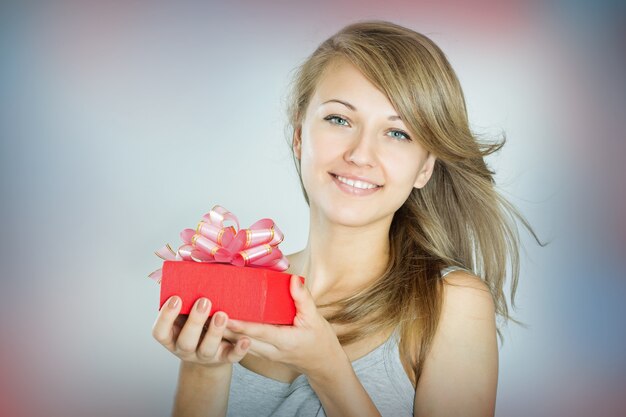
<point>356,184</point>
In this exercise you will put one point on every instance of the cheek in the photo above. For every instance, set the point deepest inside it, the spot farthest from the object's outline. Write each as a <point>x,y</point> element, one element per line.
<point>320,148</point>
<point>402,167</point>
<point>312,161</point>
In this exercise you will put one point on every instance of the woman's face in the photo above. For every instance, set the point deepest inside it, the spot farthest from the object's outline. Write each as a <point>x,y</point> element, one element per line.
<point>351,132</point>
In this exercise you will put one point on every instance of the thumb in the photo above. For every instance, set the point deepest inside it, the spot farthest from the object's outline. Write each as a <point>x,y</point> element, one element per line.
<point>305,305</point>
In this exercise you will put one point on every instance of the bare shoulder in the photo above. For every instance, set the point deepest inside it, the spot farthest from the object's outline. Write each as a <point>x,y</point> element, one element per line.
<point>467,314</point>
<point>460,371</point>
<point>465,292</point>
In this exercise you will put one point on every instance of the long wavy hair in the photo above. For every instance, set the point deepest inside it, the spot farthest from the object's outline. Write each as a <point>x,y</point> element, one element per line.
<point>458,218</point>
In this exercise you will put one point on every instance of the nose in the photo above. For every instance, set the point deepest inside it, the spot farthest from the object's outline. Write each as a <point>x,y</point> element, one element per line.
<point>361,151</point>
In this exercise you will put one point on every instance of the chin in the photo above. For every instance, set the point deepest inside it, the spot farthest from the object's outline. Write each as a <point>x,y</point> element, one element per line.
<point>352,216</point>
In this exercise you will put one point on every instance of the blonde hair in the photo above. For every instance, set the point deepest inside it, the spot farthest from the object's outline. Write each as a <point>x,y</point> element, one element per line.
<point>458,218</point>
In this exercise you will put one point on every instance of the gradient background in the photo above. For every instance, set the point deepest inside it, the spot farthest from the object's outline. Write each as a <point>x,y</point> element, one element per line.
<point>121,123</point>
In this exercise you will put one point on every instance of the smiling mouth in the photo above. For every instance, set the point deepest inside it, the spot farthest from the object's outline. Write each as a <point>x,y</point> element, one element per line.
<point>362,185</point>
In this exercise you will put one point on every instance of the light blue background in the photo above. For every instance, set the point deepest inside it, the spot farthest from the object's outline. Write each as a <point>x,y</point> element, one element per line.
<point>122,124</point>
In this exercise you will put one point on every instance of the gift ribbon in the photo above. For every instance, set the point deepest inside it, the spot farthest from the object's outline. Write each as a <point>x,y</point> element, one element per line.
<point>213,242</point>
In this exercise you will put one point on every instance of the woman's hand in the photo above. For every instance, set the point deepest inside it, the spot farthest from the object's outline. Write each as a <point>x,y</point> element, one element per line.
<point>191,340</point>
<point>310,346</point>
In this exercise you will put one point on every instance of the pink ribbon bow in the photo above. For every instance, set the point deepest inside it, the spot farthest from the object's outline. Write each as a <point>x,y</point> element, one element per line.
<point>211,242</point>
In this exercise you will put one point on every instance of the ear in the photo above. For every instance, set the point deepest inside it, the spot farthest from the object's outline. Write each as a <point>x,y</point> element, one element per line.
<point>297,142</point>
<point>426,172</point>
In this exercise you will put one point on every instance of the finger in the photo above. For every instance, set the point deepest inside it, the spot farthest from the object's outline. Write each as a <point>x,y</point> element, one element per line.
<point>303,300</point>
<point>257,347</point>
<point>231,336</point>
<point>211,343</point>
<point>265,332</point>
<point>238,350</point>
<point>189,336</point>
<point>262,349</point>
<point>163,328</point>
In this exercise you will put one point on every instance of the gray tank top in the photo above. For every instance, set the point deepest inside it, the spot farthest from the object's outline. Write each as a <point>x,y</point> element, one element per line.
<point>380,371</point>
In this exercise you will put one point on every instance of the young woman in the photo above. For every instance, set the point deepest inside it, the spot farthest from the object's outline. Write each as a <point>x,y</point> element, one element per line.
<point>405,260</point>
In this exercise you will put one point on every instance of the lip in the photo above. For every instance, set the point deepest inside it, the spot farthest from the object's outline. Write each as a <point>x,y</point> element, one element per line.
<point>354,177</point>
<point>353,190</point>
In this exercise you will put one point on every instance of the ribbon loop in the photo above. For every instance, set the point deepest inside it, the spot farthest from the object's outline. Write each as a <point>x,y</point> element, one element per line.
<point>213,241</point>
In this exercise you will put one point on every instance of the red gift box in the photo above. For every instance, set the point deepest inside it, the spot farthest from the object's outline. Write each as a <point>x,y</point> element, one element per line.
<point>239,270</point>
<point>244,293</point>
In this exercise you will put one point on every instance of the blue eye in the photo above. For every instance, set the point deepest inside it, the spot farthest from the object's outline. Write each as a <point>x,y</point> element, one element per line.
<point>403,137</point>
<point>331,117</point>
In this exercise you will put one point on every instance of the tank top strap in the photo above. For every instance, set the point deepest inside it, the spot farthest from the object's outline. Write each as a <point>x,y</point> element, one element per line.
<point>445,271</point>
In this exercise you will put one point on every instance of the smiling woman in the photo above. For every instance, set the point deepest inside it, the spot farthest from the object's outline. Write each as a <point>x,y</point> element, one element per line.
<point>357,138</point>
<point>405,261</point>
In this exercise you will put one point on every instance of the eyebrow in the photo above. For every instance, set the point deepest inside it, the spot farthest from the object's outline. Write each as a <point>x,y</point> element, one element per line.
<point>351,107</point>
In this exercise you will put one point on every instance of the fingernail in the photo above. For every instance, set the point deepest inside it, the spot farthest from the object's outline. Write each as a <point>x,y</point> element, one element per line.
<point>244,344</point>
<point>202,305</point>
<point>219,319</point>
<point>173,302</point>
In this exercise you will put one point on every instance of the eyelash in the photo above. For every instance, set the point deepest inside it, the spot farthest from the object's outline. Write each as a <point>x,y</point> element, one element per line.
<point>332,116</point>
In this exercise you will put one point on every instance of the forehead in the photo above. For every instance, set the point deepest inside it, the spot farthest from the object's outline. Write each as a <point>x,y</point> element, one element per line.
<point>342,80</point>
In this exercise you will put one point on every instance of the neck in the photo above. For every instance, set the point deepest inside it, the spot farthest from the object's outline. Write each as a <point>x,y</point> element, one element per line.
<point>339,259</point>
